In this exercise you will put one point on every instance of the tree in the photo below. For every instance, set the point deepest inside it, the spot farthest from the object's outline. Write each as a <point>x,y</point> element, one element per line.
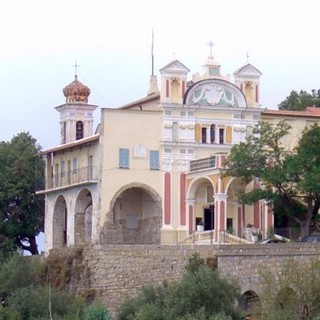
<point>301,100</point>
<point>201,294</point>
<point>25,293</point>
<point>293,293</point>
<point>288,180</point>
<point>21,210</point>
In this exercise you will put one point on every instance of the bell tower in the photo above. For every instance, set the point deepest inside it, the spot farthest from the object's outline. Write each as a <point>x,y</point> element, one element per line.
<point>76,115</point>
<point>247,79</point>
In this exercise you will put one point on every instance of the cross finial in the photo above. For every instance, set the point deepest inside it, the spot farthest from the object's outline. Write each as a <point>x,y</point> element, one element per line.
<point>76,69</point>
<point>211,44</point>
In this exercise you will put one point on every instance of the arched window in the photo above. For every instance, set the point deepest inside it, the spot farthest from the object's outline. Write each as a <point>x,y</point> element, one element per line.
<point>79,130</point>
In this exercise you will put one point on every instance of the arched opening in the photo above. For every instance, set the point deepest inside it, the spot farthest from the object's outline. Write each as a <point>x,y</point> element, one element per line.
<point>137,216</point>
<point>250,305</point>
<point>79,130</point>
<point>201,190</point>
<point>83,218</point>
<point>59,227</point>
<point>175,90</point>
<point>288,302</point>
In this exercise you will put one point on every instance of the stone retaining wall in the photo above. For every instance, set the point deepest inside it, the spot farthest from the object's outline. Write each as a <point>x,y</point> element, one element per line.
<point>116,272</point>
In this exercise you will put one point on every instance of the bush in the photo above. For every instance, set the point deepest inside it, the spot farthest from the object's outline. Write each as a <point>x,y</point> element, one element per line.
<point>33,302</point>
<point>97,312</point>
<point>201,294</point>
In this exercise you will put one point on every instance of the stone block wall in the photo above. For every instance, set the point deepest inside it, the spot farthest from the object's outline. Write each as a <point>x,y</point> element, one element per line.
<point>117,272</point>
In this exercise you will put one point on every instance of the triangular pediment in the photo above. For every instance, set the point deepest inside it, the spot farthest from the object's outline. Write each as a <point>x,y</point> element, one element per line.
<point>248,70</point>
<point>175,66</point>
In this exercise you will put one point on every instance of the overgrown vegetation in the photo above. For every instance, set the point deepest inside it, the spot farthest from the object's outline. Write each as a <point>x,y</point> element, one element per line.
<point>33,288</point>
<point>293,293</point>
<point>201,294</point>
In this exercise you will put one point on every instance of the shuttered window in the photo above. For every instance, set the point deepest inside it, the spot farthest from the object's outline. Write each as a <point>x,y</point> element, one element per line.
<point>123,158</point>
<point>154,159</point>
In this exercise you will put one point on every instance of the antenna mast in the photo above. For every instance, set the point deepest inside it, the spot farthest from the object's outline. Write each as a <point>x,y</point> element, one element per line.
<point>152,57</point>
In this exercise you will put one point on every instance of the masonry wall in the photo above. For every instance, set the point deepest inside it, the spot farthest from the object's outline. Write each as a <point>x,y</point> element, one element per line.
<point>116,272</point>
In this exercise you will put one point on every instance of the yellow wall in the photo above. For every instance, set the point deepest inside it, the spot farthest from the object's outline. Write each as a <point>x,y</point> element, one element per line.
<point>127,129</point>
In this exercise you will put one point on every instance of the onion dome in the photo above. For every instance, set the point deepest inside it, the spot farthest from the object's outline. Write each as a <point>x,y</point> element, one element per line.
<point>76,92</point>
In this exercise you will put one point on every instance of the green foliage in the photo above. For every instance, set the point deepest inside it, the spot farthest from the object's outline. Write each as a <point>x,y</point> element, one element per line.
<point>96,312</point>
<point>33,301</point>
<point>301,100</point>
<point>201,294</point>
<point>293,293</point>
<point>288,179</point>
<point>195,262</point>
<point>6,314</point>
<point>26,295</point>
<point>21,210</point>
<point>18,272</point>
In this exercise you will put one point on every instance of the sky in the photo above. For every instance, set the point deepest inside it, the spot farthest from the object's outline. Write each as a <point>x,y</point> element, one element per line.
<point>111,42</point>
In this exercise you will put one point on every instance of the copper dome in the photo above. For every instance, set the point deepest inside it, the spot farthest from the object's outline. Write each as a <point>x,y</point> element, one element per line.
<point>76,92</point>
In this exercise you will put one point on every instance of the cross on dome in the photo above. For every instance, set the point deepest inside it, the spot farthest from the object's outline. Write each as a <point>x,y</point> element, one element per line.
<point>211,44</point>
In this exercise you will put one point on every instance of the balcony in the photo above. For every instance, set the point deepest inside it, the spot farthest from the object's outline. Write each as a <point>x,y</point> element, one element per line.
<point>73,177</point>
<point>205,163</point>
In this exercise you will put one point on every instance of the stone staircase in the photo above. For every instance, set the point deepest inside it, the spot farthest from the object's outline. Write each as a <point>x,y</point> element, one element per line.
<point>207,237</point>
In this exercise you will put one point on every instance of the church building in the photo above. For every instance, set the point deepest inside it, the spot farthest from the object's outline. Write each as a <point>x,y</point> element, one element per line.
<point>150,173</point>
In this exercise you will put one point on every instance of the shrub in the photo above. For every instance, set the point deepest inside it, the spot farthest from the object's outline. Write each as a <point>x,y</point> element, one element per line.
<point>97,312</point>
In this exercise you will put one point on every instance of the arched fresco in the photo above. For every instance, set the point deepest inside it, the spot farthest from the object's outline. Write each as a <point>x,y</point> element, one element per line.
<point>215,92</point>
<point>83,217</point>
<point>60,215</point>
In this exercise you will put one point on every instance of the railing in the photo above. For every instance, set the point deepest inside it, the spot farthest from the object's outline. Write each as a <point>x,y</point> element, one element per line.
<point>86,174</point>
<point>204,163</point>
<point>208,236</point>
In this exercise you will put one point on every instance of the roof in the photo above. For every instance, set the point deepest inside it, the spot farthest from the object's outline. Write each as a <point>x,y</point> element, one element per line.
<point>246,67</point>
<point>309,112</point>
<point>72,144</point>
<point>176,65</point>
<point>150,97</point>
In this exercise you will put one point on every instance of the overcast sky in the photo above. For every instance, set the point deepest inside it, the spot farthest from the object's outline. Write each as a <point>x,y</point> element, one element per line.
<point>111,41</point>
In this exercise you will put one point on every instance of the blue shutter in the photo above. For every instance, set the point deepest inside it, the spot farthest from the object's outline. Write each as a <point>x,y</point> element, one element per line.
<point>123,158</point>
<point>154,159</point>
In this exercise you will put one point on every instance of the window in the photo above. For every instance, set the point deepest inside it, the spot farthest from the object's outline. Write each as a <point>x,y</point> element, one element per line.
<point>79,130</point>
<point>154,159</point>
<point>183,113</point>
<point>74,165</point>
<point>212,133</point>
<point>167,150</point>
<point>183,151</point>
<point>190,113</point>
<point>167,113</point>
<point>123,158</point>
<point>221,136</point>
<point>63,168</point>
<point>69,172</point>
<point>204,135</point>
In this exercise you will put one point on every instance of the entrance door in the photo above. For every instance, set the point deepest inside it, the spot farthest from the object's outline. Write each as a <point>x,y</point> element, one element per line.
<point>208,219</point>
